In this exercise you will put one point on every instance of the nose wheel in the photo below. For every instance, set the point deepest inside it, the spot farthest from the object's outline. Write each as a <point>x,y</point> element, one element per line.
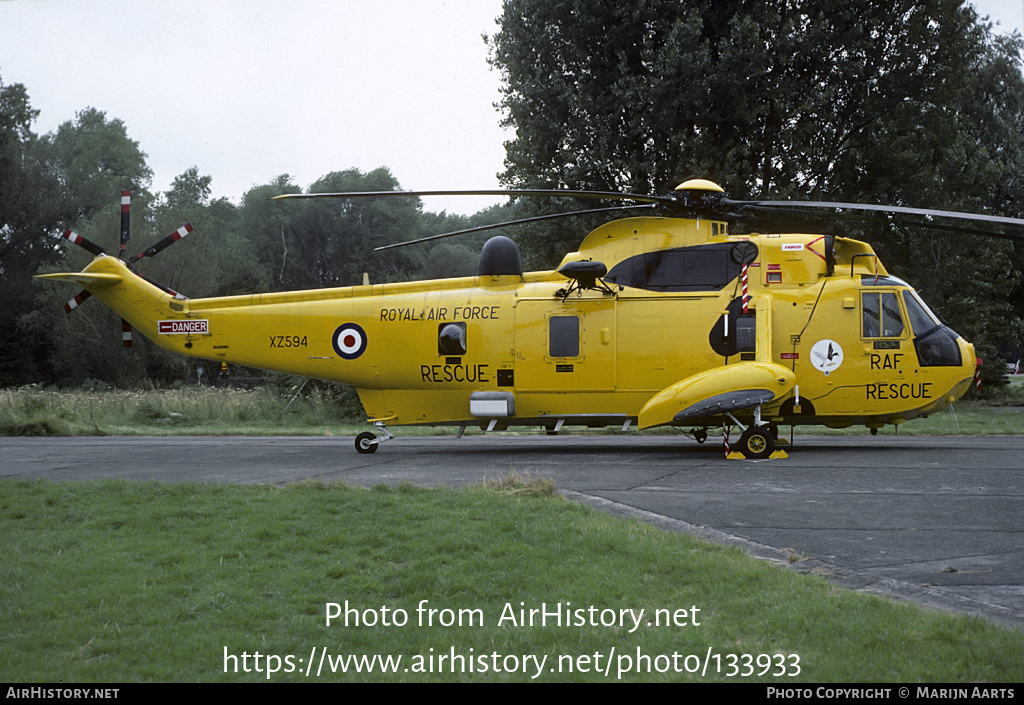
<point>757,442</point>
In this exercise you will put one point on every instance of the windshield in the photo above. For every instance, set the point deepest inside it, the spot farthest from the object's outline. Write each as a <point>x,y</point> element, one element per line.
<point>921,317</point>
<point>936,343</point>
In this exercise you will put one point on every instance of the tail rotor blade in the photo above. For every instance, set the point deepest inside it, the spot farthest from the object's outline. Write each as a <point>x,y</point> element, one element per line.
<point>83,243</point>
<point>165,289</point>
<point>77,300</point>
<point>126,198</point>
<point>126,206</point>
<point>163,244</point>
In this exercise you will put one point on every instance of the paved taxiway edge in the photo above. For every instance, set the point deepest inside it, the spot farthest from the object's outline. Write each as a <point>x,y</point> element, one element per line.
<point>928,596</point>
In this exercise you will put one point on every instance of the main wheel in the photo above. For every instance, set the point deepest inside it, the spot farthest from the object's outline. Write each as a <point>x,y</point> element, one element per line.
<point>757,443</point>
<point>367,442</point>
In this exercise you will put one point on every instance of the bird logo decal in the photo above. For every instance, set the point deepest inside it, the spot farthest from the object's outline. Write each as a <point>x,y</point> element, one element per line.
<point>826,355</point>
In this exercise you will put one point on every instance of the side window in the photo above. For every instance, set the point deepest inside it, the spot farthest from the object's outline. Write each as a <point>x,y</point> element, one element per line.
<point>451,339</point>
<point>881,315</point>
<point>564,336</point>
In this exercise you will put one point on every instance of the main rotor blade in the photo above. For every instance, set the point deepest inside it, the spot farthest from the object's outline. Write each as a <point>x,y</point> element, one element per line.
<point>602,195</point>
<point>955,229</point>
<point>512,222</point>
<point>926,212</point>
<point>877,216</point>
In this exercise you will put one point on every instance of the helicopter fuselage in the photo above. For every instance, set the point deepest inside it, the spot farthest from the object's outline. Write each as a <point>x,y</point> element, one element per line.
<point>680,325</point>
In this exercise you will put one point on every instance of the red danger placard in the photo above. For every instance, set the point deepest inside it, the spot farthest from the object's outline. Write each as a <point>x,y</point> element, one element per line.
<point>189,327</point>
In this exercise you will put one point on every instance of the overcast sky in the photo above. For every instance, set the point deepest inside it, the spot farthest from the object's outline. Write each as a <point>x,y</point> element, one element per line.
<point>247,90</point>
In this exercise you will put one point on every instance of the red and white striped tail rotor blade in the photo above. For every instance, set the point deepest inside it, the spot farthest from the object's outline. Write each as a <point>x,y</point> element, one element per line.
<point>161,287</point>
<point>83,243</point>
<point>126,207</point>
<point>165,243</point>
<point>77,300</point>
<point>126,333</point>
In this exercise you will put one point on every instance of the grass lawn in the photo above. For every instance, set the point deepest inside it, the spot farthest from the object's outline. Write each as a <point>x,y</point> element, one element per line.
<point>138,582</point>
<point>119,581</point>
<point>206,411</point>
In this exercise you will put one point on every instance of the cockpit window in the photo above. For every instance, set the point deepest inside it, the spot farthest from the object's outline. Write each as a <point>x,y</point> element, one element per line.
<point>883,280</point>
<point>881,315</point>
<point>936,343</point>
<point>921,318</point>
<point>938,348</point>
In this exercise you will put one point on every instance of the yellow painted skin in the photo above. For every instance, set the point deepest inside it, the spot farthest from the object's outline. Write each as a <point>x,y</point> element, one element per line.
<point>640,355</point>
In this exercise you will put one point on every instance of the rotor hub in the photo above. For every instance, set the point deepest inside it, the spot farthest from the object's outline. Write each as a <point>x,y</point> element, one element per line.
<point>700,185</point>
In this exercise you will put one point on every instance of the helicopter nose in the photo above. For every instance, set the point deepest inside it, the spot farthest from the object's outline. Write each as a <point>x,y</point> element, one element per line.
<point>969,357</point>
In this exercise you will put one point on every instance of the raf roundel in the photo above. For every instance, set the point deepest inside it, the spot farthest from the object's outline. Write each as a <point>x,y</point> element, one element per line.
<point>349,341</point>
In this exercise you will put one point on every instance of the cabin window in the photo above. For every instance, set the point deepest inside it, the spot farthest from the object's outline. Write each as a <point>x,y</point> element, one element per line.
<point>564,336</point>
<point>881,315</point>
<point>451,339</point>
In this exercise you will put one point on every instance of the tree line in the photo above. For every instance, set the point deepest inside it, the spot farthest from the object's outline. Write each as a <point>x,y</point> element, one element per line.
<point>74,177</point>
<point>911,102</point>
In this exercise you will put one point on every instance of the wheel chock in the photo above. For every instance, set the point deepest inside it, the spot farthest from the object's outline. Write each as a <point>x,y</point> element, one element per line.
<point>776,455</point>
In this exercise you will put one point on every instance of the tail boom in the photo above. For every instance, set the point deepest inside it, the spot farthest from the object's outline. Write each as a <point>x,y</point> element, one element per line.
<point>320,334</point>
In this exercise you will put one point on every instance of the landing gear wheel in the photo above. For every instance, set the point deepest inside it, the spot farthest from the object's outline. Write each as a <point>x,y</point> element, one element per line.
<point>757,443</point>
<point>772,429</point>
<point>700,435</point>
<point>367,442</point>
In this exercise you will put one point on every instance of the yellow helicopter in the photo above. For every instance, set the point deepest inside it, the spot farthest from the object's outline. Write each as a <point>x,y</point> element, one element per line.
<point>657,320</point>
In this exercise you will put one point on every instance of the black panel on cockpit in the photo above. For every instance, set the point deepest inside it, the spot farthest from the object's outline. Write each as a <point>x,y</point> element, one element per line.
<point>697,268</point>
